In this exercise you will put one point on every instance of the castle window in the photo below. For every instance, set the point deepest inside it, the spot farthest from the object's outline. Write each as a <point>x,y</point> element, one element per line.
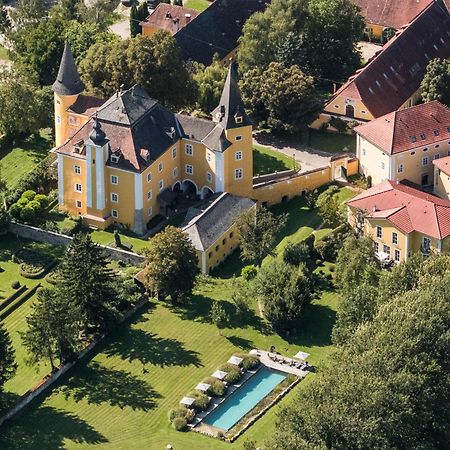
<point>208,157</point>
<point>189,169</point>
<point>379,232</point>
<point>115,213</point>
<point>425,161</point>
<point>161,185</point>
<point>189,149</point>
<point>437,156</point>
<point>394,238</point>
<point>77,169</point>
<point>238,156</point>
<point>78,203</point>
<point>114,197</point>
<point>397,255</point>
<point>149,177</point>
<point>400,168</point>
<point>150,211</point>
<point>174,153</point>
<point>160,167</point>
<point>115,159</point>
<point>149,194</point>
<point>78,187</point>
<point>209,176</point>
<point>175,172</point>
<point>239,138</point>
<point>238,174</point>
<point>114,179</point>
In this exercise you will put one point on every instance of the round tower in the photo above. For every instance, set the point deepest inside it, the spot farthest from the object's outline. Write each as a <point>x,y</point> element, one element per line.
<point>67,87</point>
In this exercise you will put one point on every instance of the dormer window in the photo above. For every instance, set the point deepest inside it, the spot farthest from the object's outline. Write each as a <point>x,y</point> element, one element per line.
<point>145,154</point>
<point>238,118</point>
<point>422,136</point>
<point>115,159</point>
<point>78,147</point>
<point>413,139</point>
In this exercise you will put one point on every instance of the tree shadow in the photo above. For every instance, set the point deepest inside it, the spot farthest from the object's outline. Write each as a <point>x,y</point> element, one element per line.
<point>44,427</point>
<point>98,384</point>
<point>264,163</point>
<point>241,342</point>
<point>135,344</point>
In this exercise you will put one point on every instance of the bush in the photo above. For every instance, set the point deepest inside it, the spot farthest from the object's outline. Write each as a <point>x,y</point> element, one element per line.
<point>250,362</point>
<point>217,388</point>
<point>42,200</point>
<point>15,210</point>
<point>249,272</point>
<point>180,423</point>
<point>339,124</point>
<point>15,285</point>
<point>29,195</point>
<point>201,400</point>
<point>329,246</point>
<point>180,411</point>
<point>296,254</point>
<point>27,214</point>
<point>233,373</point>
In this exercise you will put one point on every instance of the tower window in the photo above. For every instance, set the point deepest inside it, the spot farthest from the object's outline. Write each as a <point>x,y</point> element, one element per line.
<point>114,197</point>
<point>77,169</point>
<point>238,156</point>
<point>174,152</point>
<point>114,159</point>
<point>149,194</point>
<point>114,179</point>
<point>239,138</point>
<point>238,174</point>
<point>189,149</point>
<point>189,169</point>
<point>78,187</point>
<point>149,177</point>
<point>161,184</point>
<point>160,167</point>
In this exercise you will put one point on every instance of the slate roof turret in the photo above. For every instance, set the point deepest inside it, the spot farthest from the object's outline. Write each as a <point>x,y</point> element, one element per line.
<point>68,81</point>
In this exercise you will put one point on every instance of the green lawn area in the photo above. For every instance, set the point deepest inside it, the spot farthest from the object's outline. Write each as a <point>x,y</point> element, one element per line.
<point>332,142</point>
<point>4,53</point>
<point>16,161</point>
<point>106,237</point>
<point>199,5</point>
<point>120,397</point>
<point>266,161</point>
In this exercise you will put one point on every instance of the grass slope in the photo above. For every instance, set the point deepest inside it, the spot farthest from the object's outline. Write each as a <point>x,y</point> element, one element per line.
<point>332,142</point>
<point>199,5</point>
<point>266,161</point>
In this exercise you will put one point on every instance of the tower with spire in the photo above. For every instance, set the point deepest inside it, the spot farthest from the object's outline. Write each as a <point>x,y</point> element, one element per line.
<point>66,88</point>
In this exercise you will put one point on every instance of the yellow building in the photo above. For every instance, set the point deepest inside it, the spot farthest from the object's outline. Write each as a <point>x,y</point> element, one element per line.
<point>442,177</point>
<point>401,220</point>
<point>404,144</point>
<point>213,230</point>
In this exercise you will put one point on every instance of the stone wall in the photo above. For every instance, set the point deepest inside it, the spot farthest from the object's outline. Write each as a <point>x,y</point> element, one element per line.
<point>50,237</point>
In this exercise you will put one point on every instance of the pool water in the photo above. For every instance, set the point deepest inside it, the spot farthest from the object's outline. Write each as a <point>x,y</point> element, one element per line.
<point>244,399</point>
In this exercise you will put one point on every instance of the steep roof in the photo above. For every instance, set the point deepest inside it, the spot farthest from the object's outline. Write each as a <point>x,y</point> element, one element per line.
<point>169,17</point>
<point>205,228</point>
<point>406,208</point>
<point>194,127</point>
<point>391,13</point>
<point>86,105</point>
<point>443,164</point>
<point>143,126</point>
<point>68,82</point>
<point>394,75</point>
<point>410,128</point>
<point>217,29</point>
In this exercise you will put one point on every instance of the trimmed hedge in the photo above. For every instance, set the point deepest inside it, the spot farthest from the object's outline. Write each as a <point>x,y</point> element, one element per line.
<point>201,400</point>
<point>27,270</point>
<point>12,297</point>
<point>249,361</point>
<point>217,388</point>
<point>180,423</point>
<point>233,373</point>
<point>18,301</point>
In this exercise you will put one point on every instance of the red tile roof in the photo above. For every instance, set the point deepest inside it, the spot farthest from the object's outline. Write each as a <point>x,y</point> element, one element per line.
<point>394,75</point>
<point>406,208</point>
<point>443,164</point>
<point>406,129</point>
<point>391,13</point>
<point>171,18</point>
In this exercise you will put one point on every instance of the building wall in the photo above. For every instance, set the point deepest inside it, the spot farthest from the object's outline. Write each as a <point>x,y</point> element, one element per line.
<point>372,161</point>
<point>377,30</point>
<point>61,104</point>
<point>339,103</point>
<point>441,184</point>
<point>69,180</point>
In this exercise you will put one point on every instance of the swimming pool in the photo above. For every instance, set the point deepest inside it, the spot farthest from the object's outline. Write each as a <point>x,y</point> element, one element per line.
<point>244,399</point>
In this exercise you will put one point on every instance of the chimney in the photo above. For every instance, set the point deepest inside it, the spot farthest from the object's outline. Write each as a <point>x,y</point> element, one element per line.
<point>187,18</point>
<point>176,25</point>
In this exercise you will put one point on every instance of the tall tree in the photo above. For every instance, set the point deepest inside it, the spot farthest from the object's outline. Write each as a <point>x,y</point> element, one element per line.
<point>218,315</point>
<point>28,12</point>
<point>172,265</point>
<point>5,21</point>
<point>8,364</point>
<point>330,210</point>
<point>88,285</point>
<point>388,388</point>
<point>135,29</point>
<point>436,82</point>
<point>52,329</point>
<point>281,98</point>
<point>258,234</point>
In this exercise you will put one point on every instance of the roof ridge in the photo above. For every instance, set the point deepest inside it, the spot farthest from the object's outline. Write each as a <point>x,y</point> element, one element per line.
<point>197,218</point>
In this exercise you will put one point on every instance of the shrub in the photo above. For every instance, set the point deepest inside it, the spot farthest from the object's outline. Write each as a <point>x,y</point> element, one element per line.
<point>201,400</point>
<point>250,362</point>
<point>27,214</point>
<point>23,201</point>
<point>297,253</point>
<point>249,272</point>
<point>233,374</point>
<point>180,411</point>
<point>217,388</point>
<point>339,124</point>
<point>328,247</point>
<point>15,210</point>
<point>15,285</point>
<point>29,195</point>
<point>42,199</point>
<point>179,423</point>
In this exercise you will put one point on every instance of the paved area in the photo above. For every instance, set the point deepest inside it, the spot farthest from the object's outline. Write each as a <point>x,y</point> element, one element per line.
<point>368,49</point>
<point>122,29</point>
<point>282,364</point>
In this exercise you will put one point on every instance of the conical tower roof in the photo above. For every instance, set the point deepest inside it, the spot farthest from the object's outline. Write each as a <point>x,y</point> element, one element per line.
<point>231,112</point>
<point>68,81</point>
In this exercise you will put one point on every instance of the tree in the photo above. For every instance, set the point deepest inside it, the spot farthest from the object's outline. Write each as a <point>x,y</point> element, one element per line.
<point>329,207</point>
<point>52,329</point>
<point>8,364</point>
<point>218,315</point>
<point>355,264</point>
<point>387,388</point>
<point>436,82</point>
<point>69,10</point>
<point>135,29</point>
<point>298,253</point>
<point>319,36</point>
<point>5,22</point>
<point>5,220</point>
<point>284,290</point>
<point>28,13</point>
<point>172,265</point>
<point>281,98</point>
<point>210,81</point>
<point>311,199</point>
<point>258,233</point>
<point>88,285</point>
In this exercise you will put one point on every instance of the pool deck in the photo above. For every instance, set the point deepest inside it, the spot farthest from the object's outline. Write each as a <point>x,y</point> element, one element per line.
<point>281,366</point>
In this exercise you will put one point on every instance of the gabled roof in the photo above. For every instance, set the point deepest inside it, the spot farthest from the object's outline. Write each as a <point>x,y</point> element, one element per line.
<point>169,17</point>
<point>409,128</point>
<point>217,29</point>
<point>406,208</point>
<point>194,127</point>
<point>68,81</point>
<point>231,105</point>
<point>443,164</point>
<point>217,140</point>
<point>394,75</point>
<point>391,13</point>
<point>204,229</point>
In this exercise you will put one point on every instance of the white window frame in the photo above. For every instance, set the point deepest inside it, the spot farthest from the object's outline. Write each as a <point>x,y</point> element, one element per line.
<point>77,169</point>
<point>149,177</point>
<point>436,156</point>
<point>425,161</point>
<point>115,159</point>
<point>238,155</point>
<point>189,149</point>
<point>161,185</point>
<point>400,168</point>
<point>174,152</point>
<point>150,211</point>
<point>397,255</point>
<point>428,241</point>
<point>238,138</point>
<point>114,197</point>
<point>175,172</point>
<point>160,167</point>
<point>379,231</point>
<point>387,249</point>
<point>189,169</point>
<point>395,238</point>
<point>150,194</point>
<point>238,173</point>
<point>208,157</point>
<point>78,204</point>
<point>116,178</point>
<point>382,165</point>
<point>76,187</point>
<point>115,213</point>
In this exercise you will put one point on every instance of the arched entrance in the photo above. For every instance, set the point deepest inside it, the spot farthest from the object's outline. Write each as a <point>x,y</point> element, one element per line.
<point>349,111</point>
<point>206,192</point>
<point>176,187</point>
<point>189,188</point>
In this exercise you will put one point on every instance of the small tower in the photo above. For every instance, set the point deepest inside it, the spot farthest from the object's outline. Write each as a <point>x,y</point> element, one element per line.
<point>236,138</point>
<point>67,87</point>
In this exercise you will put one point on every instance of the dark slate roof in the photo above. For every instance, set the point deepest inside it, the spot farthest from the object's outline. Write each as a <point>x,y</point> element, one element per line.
<point>127,108</point>
<point>204,229</point>
<point>153,131</point>
<point>395,73</point>
<point>68,81</point>
<point>86,105</point>
<point>194,127</point>
<point>231,104</point>
<point>217,29</point>
<point>217,140</point>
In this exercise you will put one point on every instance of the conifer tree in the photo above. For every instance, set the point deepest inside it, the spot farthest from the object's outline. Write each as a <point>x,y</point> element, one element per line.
<point>135,29</point>
<point>8,365</point>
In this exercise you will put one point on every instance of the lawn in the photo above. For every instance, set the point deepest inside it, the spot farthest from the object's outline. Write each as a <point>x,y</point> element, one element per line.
<point>121,396</point>
<point>199,5</point>
<point>332,142</point>
<point>4,53</point>
<point>106,237</point>
<point>16,161</point>
<point>267,161</point>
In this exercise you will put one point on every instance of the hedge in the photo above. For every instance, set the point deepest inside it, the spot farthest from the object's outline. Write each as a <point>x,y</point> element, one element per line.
<point>12,297</point>
<point>35,275</point>
<point>19,301</point>
<point>233,374</point>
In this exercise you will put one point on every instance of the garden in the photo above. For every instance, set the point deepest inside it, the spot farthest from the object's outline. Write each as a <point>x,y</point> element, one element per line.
<point>124,393</point>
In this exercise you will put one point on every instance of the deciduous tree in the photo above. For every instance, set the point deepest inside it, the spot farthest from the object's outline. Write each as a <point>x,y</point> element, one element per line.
<point>329,207</point>
<point>436,82</point>
<point>218,315</point>
<point>8,364</point>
